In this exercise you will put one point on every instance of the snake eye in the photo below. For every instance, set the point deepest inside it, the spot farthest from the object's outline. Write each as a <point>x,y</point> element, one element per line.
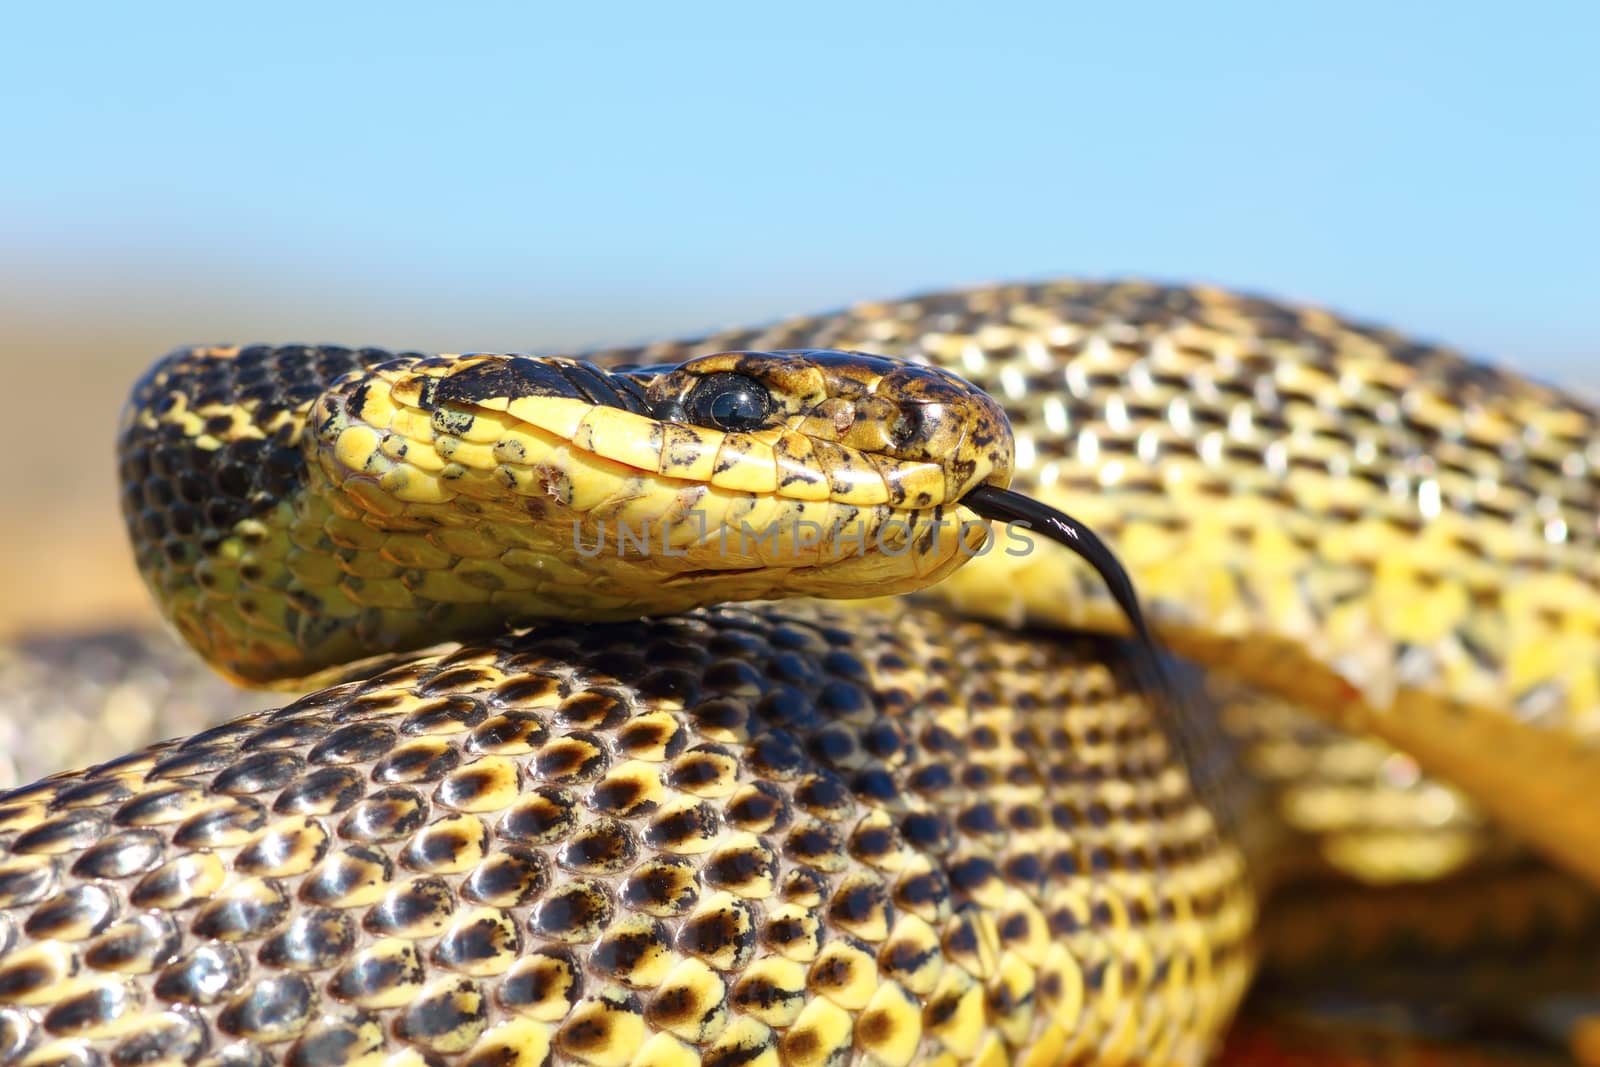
<point>728,401</point>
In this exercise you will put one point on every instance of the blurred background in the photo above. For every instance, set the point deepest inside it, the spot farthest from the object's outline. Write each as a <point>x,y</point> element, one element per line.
<point>520,177</point>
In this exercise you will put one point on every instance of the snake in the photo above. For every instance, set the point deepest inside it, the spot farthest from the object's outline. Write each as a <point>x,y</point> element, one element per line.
<point>754,700</point>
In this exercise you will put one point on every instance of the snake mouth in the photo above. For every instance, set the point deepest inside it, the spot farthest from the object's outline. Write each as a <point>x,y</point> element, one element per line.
<point>1001,504</point>
<point>752,474</point>
<point>406,497</point>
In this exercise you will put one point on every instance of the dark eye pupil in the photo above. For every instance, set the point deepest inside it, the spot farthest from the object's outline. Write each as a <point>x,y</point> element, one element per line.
<point>734,406</point>
<point>729,402</point>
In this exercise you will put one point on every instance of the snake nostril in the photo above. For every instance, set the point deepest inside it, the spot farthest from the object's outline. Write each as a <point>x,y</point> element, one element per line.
<point>906,425</point>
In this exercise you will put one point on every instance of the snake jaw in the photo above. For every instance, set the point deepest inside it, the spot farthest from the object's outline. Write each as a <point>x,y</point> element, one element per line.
<point>435,496</point>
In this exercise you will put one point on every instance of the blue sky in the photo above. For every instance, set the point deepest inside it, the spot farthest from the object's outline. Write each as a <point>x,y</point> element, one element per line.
<point>512,176</point>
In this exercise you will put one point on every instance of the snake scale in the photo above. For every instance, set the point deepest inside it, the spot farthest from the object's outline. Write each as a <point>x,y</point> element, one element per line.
<point>978,828</point>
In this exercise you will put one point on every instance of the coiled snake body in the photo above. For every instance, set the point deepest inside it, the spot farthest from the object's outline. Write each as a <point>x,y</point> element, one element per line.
<point>793,833</point>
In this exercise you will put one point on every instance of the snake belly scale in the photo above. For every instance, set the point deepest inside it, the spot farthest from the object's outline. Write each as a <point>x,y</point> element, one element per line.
<point>793,834</point>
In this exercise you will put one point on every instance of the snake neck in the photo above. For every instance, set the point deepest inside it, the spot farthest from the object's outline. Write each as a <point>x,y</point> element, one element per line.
<point>210,462</point>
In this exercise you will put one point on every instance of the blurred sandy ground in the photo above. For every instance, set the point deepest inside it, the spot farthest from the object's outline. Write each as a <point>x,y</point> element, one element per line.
<point>73,338</point>
<point>63,562</point>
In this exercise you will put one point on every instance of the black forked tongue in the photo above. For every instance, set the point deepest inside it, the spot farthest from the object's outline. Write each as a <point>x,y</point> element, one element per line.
<point>1003,505</point>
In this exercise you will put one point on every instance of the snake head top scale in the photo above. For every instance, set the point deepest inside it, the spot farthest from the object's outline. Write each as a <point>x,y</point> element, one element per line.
<point>296,509</point>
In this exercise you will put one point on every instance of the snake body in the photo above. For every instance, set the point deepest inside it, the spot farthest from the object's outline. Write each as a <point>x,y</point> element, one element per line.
<point>794,833</point>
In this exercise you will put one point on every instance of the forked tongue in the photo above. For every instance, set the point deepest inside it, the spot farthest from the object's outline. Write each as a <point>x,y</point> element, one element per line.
<point>1004,505</point>
<point>1187,733</point>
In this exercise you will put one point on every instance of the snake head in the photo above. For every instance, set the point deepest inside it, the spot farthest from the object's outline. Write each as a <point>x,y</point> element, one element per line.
<point>362,504</point>
<point>295,509</point>
<point>862,428</point>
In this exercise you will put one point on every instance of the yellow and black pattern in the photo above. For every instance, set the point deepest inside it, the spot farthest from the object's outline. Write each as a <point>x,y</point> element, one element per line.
<point>805,835</point>
<point>735,837</point>
<point>420,497</point>
<point>1372,527</point>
